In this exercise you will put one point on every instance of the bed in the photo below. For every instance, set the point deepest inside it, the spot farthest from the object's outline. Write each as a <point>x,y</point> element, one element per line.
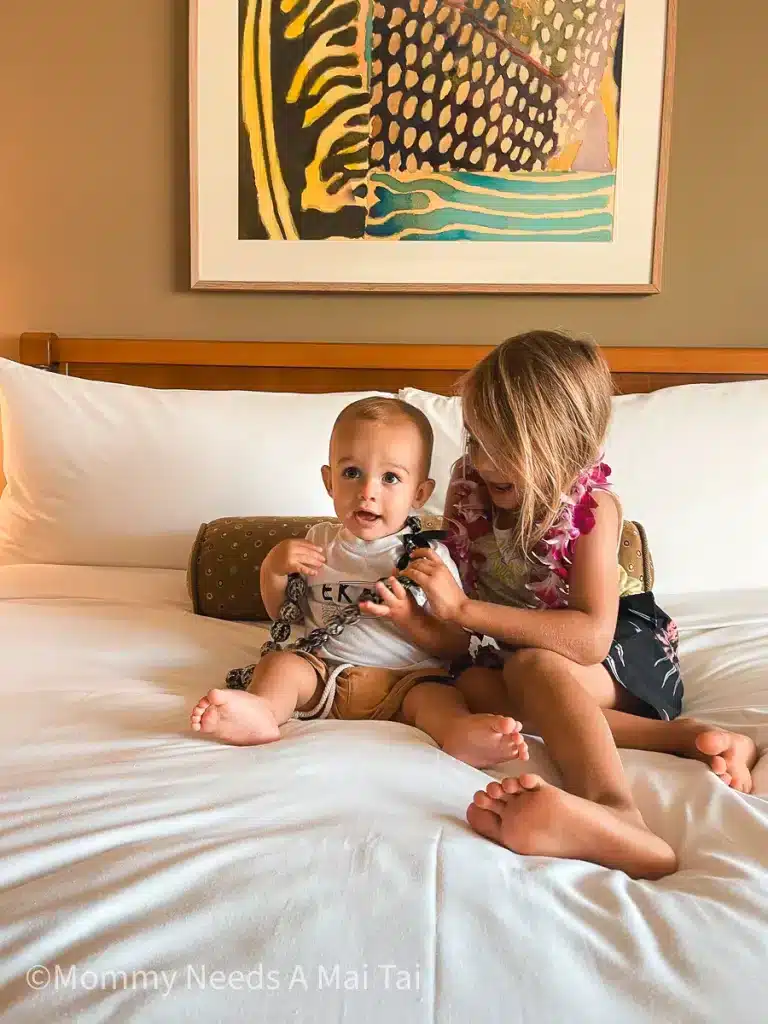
<point>151,875</point>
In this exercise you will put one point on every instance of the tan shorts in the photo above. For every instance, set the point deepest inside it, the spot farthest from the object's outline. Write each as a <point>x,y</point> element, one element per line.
<point>370,694</point>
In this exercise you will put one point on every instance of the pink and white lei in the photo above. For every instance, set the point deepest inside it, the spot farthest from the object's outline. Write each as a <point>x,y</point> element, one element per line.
<point>470,517</point>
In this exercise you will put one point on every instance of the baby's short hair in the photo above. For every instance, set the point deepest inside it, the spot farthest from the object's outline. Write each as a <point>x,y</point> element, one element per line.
<point>388,410</point>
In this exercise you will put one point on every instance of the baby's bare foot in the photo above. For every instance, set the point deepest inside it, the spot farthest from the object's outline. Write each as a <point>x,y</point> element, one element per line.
<point>235,716</point>
<point>530,817</point>
<point>485,740</point>
<point>730,755</point>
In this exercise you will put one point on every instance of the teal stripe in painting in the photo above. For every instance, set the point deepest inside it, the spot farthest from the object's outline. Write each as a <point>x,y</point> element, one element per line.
<point>467,235</point>
<point>450,217</point>
<point>443,207</point>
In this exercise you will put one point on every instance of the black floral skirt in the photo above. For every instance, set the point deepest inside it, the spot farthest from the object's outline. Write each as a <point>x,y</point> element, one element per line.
<point>643,657</point>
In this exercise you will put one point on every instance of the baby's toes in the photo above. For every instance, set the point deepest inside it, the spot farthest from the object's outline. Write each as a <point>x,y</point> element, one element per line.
<point>517,749</point>
<point>196,715</point>
<point>506,726</point>
<point>718,765</point>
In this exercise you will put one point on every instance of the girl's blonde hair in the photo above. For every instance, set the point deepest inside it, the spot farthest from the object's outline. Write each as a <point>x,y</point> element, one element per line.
<point>539,406</point>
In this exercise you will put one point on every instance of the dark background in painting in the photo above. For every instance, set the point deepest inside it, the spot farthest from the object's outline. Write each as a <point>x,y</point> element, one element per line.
<point>249,222</point>
<point>432,156</point>
<point>618,61</point>
<point>295,145</point>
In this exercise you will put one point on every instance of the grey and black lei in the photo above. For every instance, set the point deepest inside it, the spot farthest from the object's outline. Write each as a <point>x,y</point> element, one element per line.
<point>291,611</point>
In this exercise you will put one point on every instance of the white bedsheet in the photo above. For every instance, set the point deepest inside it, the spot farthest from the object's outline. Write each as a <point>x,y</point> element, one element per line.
<point>130,845</point>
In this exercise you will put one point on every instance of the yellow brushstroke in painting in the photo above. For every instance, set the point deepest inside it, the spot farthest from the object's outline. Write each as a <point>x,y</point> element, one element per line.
<point>256,73</point>
<point>319,193</point>
<point>609,97</point>
<point>563,161</point>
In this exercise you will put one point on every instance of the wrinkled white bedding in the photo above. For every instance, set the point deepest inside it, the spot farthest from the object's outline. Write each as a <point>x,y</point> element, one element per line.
<point>130,845</point>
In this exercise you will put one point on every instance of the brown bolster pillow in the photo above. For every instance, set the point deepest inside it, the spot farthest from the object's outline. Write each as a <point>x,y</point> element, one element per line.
<point>223,574</point>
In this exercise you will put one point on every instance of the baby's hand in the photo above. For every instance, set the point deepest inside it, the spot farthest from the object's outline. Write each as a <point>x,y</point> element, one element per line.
<point>294,556</point>
<point>398,605</point>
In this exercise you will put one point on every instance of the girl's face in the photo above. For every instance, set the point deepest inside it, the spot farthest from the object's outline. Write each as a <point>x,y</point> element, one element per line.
<point>504,493</point>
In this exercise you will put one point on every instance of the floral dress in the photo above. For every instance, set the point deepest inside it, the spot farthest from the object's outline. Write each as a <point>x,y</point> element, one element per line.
<point>643,657</point>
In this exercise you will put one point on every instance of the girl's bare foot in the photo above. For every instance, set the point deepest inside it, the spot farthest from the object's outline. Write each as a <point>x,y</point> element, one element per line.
<point>235,716</point>
<point>529,816</point>
<point>485,740</point>
<point>730,755</point>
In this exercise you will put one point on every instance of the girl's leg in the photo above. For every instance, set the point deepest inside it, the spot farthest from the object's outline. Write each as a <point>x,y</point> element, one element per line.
<point>281,682</point>
<point>480,740</point>
<point>730,755</point>
<point>595,818</point>
<point>561,702</point>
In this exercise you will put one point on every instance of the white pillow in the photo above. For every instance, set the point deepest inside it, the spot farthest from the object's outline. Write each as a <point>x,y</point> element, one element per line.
<point>688,462</point>
<point>444,414</point>
<point>108,474</point>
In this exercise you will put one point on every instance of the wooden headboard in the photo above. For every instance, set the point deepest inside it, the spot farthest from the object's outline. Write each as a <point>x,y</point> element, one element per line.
<point>325,366</point>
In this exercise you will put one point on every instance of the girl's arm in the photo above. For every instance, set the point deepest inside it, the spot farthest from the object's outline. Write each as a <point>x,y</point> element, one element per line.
<point>582,632</point>
<point>441,639</point>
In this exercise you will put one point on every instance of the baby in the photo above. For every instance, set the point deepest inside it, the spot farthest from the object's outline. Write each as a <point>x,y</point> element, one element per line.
<point>389,665</point>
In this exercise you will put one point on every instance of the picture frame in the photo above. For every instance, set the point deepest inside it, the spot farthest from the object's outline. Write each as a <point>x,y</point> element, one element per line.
<point>296,184</point>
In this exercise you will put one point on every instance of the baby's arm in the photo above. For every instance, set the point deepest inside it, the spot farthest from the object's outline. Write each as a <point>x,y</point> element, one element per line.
<point>286,557</point>
<point>582,632</point>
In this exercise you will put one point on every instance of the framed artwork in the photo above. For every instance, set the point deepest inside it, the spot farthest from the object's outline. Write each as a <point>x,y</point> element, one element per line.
<point>430,145</point>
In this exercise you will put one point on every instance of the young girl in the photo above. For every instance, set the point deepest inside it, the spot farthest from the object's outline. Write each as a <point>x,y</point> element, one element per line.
<point>582,662</point>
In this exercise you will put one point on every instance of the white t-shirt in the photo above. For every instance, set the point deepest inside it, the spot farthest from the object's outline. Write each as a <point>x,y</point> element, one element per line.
<point>351,566</point>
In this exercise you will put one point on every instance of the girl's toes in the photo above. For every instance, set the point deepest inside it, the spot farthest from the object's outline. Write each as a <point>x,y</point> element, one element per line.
<point>486,823</point>
<point>487,803</point>
<point>510,786</point>
<point>530,782</point>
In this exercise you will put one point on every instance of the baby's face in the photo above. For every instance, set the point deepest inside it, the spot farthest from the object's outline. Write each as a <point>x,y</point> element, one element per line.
<point>377,476</point>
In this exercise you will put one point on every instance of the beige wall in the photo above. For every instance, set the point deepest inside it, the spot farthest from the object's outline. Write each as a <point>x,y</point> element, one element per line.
<point>93,207</point>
